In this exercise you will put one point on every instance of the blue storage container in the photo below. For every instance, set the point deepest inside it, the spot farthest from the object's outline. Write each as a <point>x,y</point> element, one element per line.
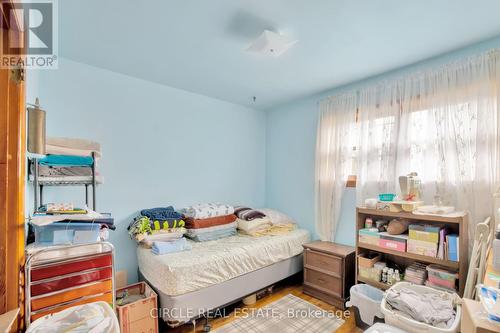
<point>66,233</point>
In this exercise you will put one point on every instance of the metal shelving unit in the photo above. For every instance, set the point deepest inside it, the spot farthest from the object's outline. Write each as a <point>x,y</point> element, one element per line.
<point>39,184</point>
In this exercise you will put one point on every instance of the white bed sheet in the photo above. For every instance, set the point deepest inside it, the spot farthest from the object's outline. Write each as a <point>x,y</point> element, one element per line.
<point>213,262</point>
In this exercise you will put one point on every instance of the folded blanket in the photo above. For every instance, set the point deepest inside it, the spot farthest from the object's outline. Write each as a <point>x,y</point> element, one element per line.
<point>210,222</point>
<point>213,235</point>
<point>246,213</point>
<point>73,143</point>
<point>280,229</point>
<point>254,226</point>
<point>207,210</point>
<point>201,231</point>
<point>70,146</point>
<point>67,160</point>
<point>142,226</point>
<point>147,239</point>
<point>67,179</point>
<point>178,245</point>
<point>55,171</point>
<point>162,213</point>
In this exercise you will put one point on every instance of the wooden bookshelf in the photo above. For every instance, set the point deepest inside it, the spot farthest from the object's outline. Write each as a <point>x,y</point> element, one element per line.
<point>377,284</point>
<point>457,224</point>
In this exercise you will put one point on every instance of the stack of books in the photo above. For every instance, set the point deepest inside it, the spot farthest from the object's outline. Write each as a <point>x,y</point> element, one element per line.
<point>416,273</point>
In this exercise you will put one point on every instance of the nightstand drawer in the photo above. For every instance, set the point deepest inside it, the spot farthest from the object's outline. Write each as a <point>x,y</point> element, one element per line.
<point>324,282</point>
<point>324,262</point>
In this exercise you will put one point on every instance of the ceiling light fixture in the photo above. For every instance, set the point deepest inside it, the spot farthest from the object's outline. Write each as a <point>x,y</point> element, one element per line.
<point>271,43</point>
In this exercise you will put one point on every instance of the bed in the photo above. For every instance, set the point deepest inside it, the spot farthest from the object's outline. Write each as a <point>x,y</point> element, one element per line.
<point>217,273</point>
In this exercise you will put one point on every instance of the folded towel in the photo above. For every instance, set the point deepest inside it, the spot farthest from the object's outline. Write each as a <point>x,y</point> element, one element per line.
<point>200,231</point>
<point>249,214</point>
<point>69,146</point>
<point>210,222</point>
<point>67,160</point>
<point>74,143</point>
<point>207,210</point>
<point>213,235</point>
<point>178,245</point>
<point>161,213</point>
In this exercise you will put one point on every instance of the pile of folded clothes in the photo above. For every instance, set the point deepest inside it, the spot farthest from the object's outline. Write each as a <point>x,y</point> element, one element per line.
<point>210,221</point>
<point>160,225</point>
<point>69,160</point>
<point>252,222</point>
<point>262,222</point>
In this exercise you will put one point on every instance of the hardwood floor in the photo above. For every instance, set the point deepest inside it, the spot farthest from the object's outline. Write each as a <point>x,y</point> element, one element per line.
<point>279,292</point>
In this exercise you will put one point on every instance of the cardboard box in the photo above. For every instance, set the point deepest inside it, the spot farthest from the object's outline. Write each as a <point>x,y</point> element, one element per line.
<point>473,318</point>
<point>365,260</point>
<point>393,242</point>
<point>422,248</point>
<point>140,316</point>
<point>368,237</point>
<point>120,279</point>
<point>424,232</point>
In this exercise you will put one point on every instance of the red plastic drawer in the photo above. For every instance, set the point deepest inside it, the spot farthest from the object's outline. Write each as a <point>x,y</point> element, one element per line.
<point>71,267</point>
<point>108,298</point>
<point>70,281</point>
<point>91,289</point>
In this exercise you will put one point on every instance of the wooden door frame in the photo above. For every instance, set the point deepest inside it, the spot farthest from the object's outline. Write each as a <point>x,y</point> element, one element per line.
<point>12,176</point>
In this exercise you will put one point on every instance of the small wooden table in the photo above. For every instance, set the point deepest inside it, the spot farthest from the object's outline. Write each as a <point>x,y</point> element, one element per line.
<point>329,271</point>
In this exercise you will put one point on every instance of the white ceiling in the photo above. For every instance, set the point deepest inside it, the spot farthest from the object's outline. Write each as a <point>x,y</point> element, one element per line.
<point>198,45</point>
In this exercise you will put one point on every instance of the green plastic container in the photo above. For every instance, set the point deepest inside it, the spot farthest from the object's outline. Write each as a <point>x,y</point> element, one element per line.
<point>386,197</point>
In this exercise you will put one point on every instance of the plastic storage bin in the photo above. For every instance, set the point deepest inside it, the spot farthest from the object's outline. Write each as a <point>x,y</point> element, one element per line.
<point>366,299</point>
<point>386,197</point>
<point>383,328</point>
<point>441,277</point>
<point>412,326</point>
<point>66,233</point>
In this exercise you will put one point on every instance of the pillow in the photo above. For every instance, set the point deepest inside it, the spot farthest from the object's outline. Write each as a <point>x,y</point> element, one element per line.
<point>277,217</point>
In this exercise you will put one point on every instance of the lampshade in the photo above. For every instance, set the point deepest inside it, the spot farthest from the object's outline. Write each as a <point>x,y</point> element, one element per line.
<point>36,129</point>
<point>271,43</point>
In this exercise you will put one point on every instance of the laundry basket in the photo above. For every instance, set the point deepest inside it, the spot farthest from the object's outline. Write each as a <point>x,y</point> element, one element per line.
<point>89,317</point>
<point>365,300</point>
<point>412,326</point>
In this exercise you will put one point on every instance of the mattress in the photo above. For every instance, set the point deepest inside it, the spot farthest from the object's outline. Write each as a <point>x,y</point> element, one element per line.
<point>213,262</point>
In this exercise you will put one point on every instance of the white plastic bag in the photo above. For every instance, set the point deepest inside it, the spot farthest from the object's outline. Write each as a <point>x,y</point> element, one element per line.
<point>97,317</point>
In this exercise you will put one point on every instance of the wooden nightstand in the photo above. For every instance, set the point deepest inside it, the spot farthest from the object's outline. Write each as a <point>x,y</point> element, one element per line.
<point>329,271</point>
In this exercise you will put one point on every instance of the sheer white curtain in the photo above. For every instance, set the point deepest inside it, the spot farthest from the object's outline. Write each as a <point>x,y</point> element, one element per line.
<point>334,143</point>
<point>443,124</point>
<point>378,132</point>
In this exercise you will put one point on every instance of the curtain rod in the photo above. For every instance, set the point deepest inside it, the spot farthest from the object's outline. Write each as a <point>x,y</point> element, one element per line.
<point>492,53</point>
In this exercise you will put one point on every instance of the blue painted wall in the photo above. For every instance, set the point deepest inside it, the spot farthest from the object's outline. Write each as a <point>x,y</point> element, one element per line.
<point>167,146</point>
<point>291,140</point>
<point>160,145</point>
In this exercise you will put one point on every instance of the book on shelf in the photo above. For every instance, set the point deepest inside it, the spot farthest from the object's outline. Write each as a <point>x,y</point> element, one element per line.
<point>453,247</point>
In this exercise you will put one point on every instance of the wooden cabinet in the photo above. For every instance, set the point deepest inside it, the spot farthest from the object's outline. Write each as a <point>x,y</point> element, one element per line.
<point>329,271</point>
